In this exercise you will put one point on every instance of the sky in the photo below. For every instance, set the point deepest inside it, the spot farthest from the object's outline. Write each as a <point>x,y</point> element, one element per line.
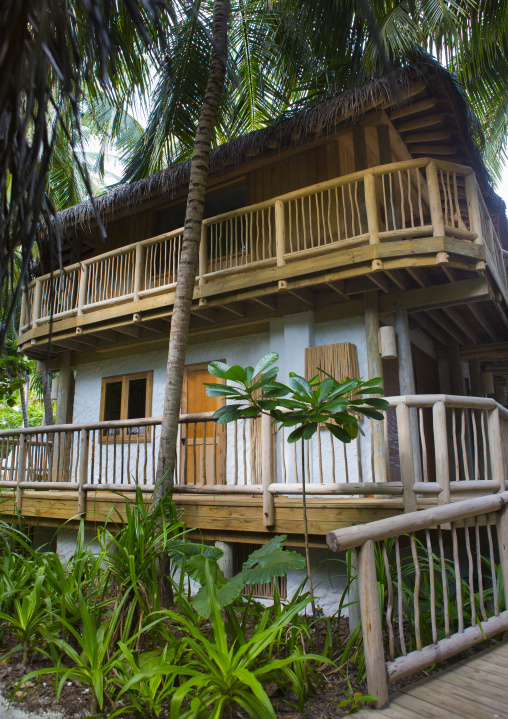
<point>502,188</point>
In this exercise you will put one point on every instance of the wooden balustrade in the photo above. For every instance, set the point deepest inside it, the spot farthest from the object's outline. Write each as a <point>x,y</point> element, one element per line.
<point>400,200</point>
<point>430,610</point>
<point>464,449</point>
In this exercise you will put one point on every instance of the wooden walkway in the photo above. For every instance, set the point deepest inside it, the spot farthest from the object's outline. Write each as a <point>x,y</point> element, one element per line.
<point>475,688</point>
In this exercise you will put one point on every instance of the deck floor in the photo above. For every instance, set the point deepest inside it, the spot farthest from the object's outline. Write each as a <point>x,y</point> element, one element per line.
<point>475,688</point>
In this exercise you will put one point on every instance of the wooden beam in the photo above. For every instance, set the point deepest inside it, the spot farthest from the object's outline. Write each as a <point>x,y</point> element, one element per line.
<point>380,281</point>
<point>428,136</point>
<point>338,287</point>
<point>413,108</point>
<point>239,312</point>
<point>482,320</point>
<point>413,89</point>
<point>305,295</point>
<point>425,149</point>
<point>418,276</point>
<point>397,278</point>
<point>130,330</point>
<point>461,324</point>
<point>426,121</point>
<point>268,302</point>
<point>206,314</point>
<point>436,296</point>
<point>447,326</point>
<point>435,332</point>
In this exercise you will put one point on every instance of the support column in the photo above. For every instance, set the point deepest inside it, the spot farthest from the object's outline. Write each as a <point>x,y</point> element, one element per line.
<point>380,454</point>
<point>476,378</point>
<point>407,383</point>
<point>457,381</point>
<point>64,402</point>
<point>226,562</point>
<point>500,390</point>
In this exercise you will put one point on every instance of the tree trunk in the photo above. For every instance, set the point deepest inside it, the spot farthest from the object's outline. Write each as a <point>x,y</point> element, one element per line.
<point>24,404</point>
<point>46,394</point>
<point>190,249</point>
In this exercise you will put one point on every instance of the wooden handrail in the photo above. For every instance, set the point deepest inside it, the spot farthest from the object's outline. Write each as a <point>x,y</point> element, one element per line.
<point>339,540</point>
<point>288,197</point>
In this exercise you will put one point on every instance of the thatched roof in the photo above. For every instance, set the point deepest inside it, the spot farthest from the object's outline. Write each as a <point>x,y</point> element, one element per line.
<point>347,107</point>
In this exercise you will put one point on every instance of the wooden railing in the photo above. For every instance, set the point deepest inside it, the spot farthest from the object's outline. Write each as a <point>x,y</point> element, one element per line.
<point>420,604</point>
<point>446,447</point>
<point>403,200</point>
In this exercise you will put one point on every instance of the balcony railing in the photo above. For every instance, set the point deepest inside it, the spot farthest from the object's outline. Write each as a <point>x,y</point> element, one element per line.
<point>446,447</point>
<point>404,200</point>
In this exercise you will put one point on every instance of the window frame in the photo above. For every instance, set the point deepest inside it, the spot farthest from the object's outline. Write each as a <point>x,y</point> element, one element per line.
<point>123,436</point>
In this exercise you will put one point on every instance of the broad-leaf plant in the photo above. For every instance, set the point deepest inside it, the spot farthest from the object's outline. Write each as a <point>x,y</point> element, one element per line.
<point>304,404</point>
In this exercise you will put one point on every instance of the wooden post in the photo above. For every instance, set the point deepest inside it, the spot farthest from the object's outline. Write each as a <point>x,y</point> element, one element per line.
<point>371,624</point>
<point>495,449</point>
<point>502,542</point>
<point>353,594</point>
<point>476,378</point>
<point>441,451</point>
<point>139,271</point>
<point>36,313</point>
<point>203,254</point>
<point>280,232</point>
<point>267,469</point>
<point>83,286</point>
<point>61,445</point>
<point>83,470</point>
<point>371,207</point>
<point>20,476</point>
<point>23,318</point>
<point>407,383</point>
<point>436,210</point>
<point>375,370</point>
<point>475,218</point>
<point>406,457</point>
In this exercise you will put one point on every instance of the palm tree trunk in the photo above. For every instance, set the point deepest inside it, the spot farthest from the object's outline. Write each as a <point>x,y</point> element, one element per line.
<point>24,404</point>
<point>46,395</point>
<point>190,249</point>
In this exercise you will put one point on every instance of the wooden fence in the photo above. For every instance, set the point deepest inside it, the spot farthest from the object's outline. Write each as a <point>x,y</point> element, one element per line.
<point>420,604</point>
<point>402,200</point>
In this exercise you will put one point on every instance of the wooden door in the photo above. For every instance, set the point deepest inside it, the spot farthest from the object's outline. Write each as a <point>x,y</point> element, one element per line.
<point>202,453</point>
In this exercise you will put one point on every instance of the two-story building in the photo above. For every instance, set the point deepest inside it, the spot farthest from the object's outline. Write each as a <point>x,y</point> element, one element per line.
<point>362,236</point>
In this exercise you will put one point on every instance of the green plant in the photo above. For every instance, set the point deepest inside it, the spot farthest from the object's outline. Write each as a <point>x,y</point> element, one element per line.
<point>355,699</point>
<point>133,546</point>
<point>28,617</point>
<point>92,661</point>
<point>216,675</point>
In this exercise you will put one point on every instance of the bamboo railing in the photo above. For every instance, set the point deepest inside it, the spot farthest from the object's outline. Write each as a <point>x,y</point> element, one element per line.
<point>419,604</point>
<point>463,449</point>
<point>403,200</point>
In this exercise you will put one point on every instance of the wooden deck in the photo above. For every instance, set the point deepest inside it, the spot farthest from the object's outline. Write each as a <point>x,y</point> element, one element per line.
<point>237,517</point>
<point>471,689</point>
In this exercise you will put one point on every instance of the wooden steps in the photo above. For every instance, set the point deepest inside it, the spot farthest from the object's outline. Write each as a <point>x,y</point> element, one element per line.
<point>474,688</point>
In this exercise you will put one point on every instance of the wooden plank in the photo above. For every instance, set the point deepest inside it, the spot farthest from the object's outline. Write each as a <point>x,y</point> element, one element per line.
<point>466,676</point>
<point>430,710</point>
<point>450,697</point>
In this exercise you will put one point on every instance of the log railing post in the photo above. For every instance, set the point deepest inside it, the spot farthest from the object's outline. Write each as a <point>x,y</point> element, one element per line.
<point>83,470</point>
<point>139,273</point>
<point>37,308</point>
<point>280,232</point>
<point>371,208</point>
<point>436,209</point>
<point>267,469</point>
<point>20,476</point>
<point>495,448</point>
<point>83,286</point>
<point>502,539</point>
<point>473,206</point>
<point>23,317</point>
<point>407,466</point>
<point>371,624</point>
<point>203,254</point>
<point>441,451</point>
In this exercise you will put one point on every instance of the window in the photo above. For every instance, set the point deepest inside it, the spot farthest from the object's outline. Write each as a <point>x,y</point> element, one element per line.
<point>127,396</point>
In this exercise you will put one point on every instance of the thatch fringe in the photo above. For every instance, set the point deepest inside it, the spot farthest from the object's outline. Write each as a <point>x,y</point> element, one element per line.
<point>304,124</point>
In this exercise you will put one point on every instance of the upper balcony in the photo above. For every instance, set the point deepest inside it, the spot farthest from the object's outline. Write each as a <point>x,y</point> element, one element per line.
<point>418,213</point>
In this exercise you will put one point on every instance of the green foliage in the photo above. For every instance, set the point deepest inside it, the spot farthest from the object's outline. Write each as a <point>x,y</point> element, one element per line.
<point>14,369</point>
<point>11,417</point>
<point>262,566</point>
<point>354,699</point>
<point>97,620</point>
<point>307,403</point>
